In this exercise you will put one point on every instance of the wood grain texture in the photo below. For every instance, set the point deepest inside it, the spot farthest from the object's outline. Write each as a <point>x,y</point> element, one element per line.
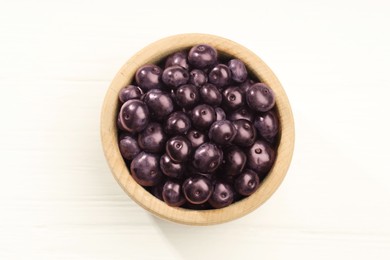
<point>153,54</point>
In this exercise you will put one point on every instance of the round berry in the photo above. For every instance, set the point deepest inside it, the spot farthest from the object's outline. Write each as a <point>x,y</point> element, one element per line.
<point>202,116</point>
<point>187,96</point>
<point>178,58</point>
<point>130,92</point>
<point>128,147</point>
<point>247,183</point>
<point>198,77</point>
<point>234,161</point>
<point>267,125</point>
<point>202,56</point>
<point>172,194</point>
<point>233,98</point>
<point>134,115</point>
<point>159,103</point>
<point>260,157</point>
<point>197,190</point>
<point>196,138</point>
<point>148,77</point>
<point>207,158</point>
<point>246,133</point>
<point>178,149</point>
<point>210,95</point>
<point>260,97</point>
<point>152,139</point>
<point>177,123</point>
<point>220,75</point>
<point>175,76</point>
<point>170,168</point>
<point>238,70</point>
<point>222,195</point>
<point>222,132</point>
<point>145,169</point>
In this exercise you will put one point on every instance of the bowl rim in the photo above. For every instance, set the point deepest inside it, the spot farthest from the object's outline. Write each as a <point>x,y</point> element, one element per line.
<point>153,53</point>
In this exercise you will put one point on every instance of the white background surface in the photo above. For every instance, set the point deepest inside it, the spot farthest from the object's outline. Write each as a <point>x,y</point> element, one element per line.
<point>58,199</point>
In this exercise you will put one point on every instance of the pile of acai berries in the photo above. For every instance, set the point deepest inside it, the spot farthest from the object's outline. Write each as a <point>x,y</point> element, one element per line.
<point>196,130</point>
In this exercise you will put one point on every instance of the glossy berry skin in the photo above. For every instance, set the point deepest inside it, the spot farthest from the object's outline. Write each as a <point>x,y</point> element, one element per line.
<point>260,157</point>
<point>234,161</point>
<point>238,70</point>
<point>134,115</point>
<point>177,123</point>
<point>202,116</point>
<point>178,58</point>
<point>210,95</point>
<point>202,56</point>
<point>247,183</point>
<point>187,96</point>
<point>222,132</point>
<point>148,77</point>
<point>207,158</point>
<point>233,98</point>
<point>246,84</point>
<point>130,92</point>
<point>175,76</point>
<point>197,189</point>
<point>178,148</point>
<point>159,103</point>
<point>220,75</point>
<point>172,194</point>
<point>128,147</point>
<point>260,97</point>
<point>196,138</point>
<point>246,133</point>
<point>241,113</point>
<point>145,169</point>
<point>220,113</point>
<point>170,168</point>
<point>267,125</point>
<point>222,195</point>
<point>198,77</point>
<point>152,139</point>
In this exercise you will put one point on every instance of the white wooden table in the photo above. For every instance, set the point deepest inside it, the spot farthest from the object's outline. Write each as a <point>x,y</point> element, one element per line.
<point>58,199</point>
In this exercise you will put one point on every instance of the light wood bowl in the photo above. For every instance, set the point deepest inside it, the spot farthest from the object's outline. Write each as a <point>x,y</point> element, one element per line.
<point>153,54</point>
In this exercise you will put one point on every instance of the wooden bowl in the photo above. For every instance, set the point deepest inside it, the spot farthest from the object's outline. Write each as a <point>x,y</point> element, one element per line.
<point>153,54</point>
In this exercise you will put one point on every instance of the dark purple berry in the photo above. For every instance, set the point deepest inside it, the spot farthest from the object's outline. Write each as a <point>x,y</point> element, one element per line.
<point>202,116</point>
<point>238,70</point>
<point>187,96</point>
<point>130,92</point>
<point>222,195</point>
<point>128,147</point>
<point>159,103</point>
<point>220,75</point>
<point>207,158</point>
<point>196,138</point>
<point>148,77</point>
<point>267,125</point>
<point>246,133</point>
<point>175,76</point>
<point>220,113</point>
<point>260,97</point>
<point>247,183</point>
<point>172,194</point>
<point>134,115</point>
<point>246,84</point>
<point>210,94</point>
<point>222,132</point>
<point>152,139</point>
<point>197,190</point>
<point>241,113</point>
<point>145,169</point>
<point>198,78</point>
<point>178,58</point>
<point>170,168</point>
<point>234,161</point>
<point>178,149</point>
<point>202,56</point>
<point>233,98</point>
<point>260,157</point>
<point>177,123</point>
<point>157,190</point>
